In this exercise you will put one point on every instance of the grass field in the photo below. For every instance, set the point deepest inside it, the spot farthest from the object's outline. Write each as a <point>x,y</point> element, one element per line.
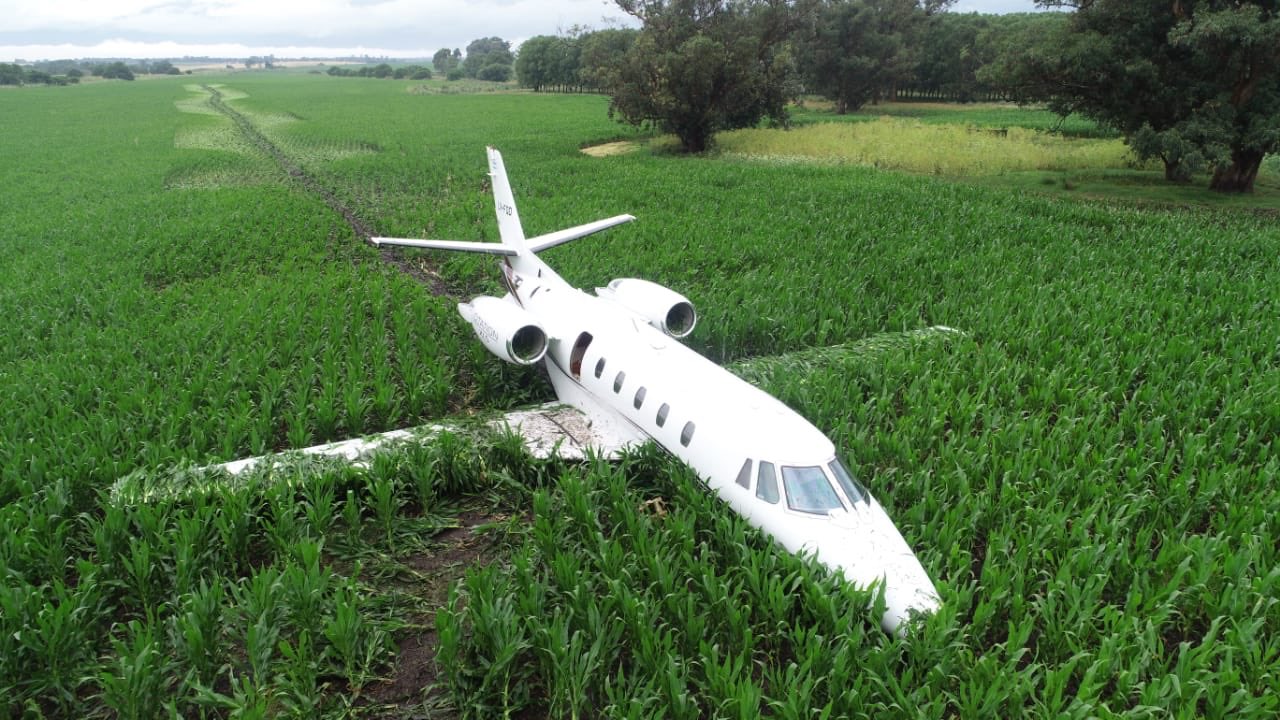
<point>994,144</point>
<point>1089,473</point>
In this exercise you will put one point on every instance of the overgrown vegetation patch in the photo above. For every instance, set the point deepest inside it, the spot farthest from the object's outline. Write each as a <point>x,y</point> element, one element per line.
<point>936,149</point>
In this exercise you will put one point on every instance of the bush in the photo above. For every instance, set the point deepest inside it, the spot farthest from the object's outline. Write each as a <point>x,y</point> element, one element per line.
<point>495,73</point>
<point>454,74</point>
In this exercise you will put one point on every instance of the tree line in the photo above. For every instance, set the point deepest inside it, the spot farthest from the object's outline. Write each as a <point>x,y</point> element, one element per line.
<point>1194,83</point>
<point>69,72</point>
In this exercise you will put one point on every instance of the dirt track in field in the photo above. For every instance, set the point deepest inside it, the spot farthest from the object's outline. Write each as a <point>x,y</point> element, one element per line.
<point>417,268</point>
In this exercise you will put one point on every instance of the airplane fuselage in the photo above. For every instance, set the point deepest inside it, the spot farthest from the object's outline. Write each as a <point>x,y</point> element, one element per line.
<point>760,457</point>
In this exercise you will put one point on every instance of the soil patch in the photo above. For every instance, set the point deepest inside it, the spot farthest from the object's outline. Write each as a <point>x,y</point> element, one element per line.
<point>411,688</point>
<point>621,147</point>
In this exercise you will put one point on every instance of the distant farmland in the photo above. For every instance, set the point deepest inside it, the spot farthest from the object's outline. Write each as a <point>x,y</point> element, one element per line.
<point>1089,473</point>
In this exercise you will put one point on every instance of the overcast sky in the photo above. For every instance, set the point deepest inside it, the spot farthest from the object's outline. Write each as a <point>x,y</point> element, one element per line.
<point>50,29</point>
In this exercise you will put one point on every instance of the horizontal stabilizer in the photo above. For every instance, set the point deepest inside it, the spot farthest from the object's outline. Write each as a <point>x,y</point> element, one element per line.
<point>464,246</point>
<point>560,237</point>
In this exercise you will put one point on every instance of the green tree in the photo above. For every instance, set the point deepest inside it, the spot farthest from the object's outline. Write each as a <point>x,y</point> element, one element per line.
<point>484,52</point>
<point>1195,84</point>
<point>860,49</point>
<point>163,67</point>
<point>550,61</point>
<point>601,54</point>
<point>11,74</point>
<point>117,71</point>
<point>445,60</point>
<point>701,66</point>
<point>535,62</point>
<point>954,48</point>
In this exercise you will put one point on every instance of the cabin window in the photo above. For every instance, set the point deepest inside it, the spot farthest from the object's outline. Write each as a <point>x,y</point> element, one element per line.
<point>767,486</point>
<point>639,398</point>
<point>808,490</point>
<point>662,414</point>
<point>744,475</point>
<point>599,367</point>
<point>617,382</point>
<point>686,434</point>
<point>579,350</point>
<point>854,490</point>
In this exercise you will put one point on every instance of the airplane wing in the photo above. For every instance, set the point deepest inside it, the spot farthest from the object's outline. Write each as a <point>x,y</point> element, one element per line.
<point>553,429</point>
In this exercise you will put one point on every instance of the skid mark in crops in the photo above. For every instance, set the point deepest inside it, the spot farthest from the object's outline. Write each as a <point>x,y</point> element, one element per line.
<point>421,271</point>
<point>251,133</point>
<point>414,681</point>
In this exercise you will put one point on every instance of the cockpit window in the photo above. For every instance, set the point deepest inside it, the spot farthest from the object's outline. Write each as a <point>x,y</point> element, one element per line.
<point>767,487</point>
<point>808,490</point>
<point>744,475</point>
<point>854,490</point>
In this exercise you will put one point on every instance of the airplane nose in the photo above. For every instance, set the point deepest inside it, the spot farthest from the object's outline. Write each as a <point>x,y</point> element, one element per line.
<point>908,592</point>
<point>874,552</point>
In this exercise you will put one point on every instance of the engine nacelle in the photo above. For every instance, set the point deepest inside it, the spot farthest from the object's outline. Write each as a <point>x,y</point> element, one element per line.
<point>661,307</point>
<point>508,330</point>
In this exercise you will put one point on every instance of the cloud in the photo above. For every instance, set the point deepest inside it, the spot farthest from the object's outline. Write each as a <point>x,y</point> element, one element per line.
<point>40,29</point>
<point>393,25</point>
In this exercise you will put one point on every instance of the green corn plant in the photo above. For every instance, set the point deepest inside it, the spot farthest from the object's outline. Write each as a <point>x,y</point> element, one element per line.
<point>306,587</point>
<point>351,517</point>
<point>301,692</point>
<point>245,700</point>
<point>259,596</point>
<point>57,641</point>
<point>197,632</point>
<point>345,632</point>
<point>136,681</point>
<point>260,640</point>
<point>193,553</point>
<point>143,572</point>
<point>284,527</point>
<point>383,490</point>
<point>319,508</point>
<point>235,523</point>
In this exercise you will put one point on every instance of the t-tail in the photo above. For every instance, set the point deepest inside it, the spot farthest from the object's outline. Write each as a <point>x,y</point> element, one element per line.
<point>509,331</point>
<point>514,243</point>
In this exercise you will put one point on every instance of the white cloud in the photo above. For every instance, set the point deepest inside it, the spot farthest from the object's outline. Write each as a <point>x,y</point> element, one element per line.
<point>43,29</point>
<point>35,29</point>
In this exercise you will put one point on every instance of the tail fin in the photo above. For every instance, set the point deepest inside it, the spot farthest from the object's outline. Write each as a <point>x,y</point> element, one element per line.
<point>504,204</point>
<point>509,228</point>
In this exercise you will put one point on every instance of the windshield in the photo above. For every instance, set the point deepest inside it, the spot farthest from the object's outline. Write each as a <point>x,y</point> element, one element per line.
<point>808,490</point>
<point>853,489</point>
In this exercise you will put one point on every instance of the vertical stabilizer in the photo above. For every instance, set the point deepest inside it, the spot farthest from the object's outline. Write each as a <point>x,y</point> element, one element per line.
<point>504,203</point>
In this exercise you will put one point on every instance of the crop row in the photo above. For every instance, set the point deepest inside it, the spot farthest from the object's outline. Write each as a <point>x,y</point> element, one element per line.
<point>244,598</point>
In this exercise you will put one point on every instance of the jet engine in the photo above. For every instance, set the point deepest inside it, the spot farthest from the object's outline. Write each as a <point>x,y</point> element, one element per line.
<point>508,330</point>
<point>663,308</point>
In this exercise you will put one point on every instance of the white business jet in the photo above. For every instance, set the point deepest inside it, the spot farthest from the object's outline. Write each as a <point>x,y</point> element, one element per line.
<point>615,356</point>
